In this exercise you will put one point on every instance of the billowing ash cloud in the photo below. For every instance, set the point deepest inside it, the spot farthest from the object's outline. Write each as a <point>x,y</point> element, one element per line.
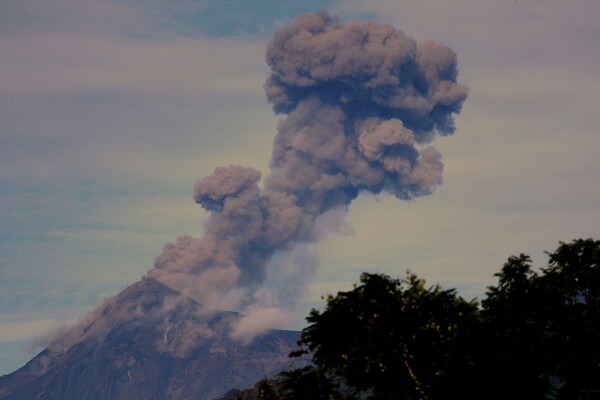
<point>362,100</point>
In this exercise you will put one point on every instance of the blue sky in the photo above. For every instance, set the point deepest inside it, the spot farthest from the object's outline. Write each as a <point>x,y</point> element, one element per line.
<point>111,110</point>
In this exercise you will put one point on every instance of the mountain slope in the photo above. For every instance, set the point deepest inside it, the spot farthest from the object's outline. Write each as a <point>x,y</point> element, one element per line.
<point>149,342</point>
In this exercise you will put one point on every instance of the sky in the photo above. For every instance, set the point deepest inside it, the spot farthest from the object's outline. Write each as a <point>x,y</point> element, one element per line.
<point>112,110</point>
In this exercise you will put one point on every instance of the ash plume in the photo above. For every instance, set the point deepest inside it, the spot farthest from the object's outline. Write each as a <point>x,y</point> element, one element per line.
<point>361,101</point>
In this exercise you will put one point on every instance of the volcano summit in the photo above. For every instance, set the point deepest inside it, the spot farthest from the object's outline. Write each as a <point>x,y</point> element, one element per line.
<point>148,342</point>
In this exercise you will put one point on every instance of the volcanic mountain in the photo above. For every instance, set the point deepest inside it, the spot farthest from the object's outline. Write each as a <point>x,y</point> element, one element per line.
<point>361,101</point>
<point>148,342</point>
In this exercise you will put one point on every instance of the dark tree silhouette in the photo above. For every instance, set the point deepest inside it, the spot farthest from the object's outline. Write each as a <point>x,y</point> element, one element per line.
<point>536,335</point>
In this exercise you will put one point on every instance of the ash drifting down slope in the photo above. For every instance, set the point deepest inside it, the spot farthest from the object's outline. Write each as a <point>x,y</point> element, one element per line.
<point>149,342</point>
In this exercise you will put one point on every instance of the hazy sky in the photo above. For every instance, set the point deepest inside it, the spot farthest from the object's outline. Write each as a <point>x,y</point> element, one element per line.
<point>112,110</point>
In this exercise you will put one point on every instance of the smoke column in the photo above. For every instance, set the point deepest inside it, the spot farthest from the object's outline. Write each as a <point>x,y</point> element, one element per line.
<point>361,102</point>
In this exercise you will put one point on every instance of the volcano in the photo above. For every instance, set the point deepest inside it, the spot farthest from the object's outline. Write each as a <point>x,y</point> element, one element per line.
<point>149,342</point>
<point>361,102</point>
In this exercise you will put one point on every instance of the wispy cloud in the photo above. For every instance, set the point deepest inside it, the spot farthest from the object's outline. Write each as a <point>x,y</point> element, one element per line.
<point>14,330</point>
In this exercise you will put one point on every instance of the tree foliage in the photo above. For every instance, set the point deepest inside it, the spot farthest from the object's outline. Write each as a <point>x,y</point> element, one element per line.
<point>391,336</point>
<point>536,335</point>
<point>543,329</point>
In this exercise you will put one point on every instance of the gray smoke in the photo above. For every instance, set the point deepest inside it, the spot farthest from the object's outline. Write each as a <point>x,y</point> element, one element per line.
<point>362,100</point>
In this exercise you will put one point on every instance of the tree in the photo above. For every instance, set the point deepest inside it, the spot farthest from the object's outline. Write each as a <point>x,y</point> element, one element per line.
<point>392,336</point>
<point>536,335</point>
<point>385,339</point>
<point>543,329</point>
<point>305,383</point>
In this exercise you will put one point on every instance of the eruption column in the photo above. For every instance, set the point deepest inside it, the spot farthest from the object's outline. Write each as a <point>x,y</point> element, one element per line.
<point>362,100</point>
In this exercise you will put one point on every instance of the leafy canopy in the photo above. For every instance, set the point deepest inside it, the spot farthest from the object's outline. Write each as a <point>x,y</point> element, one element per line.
<point>536,335</point>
